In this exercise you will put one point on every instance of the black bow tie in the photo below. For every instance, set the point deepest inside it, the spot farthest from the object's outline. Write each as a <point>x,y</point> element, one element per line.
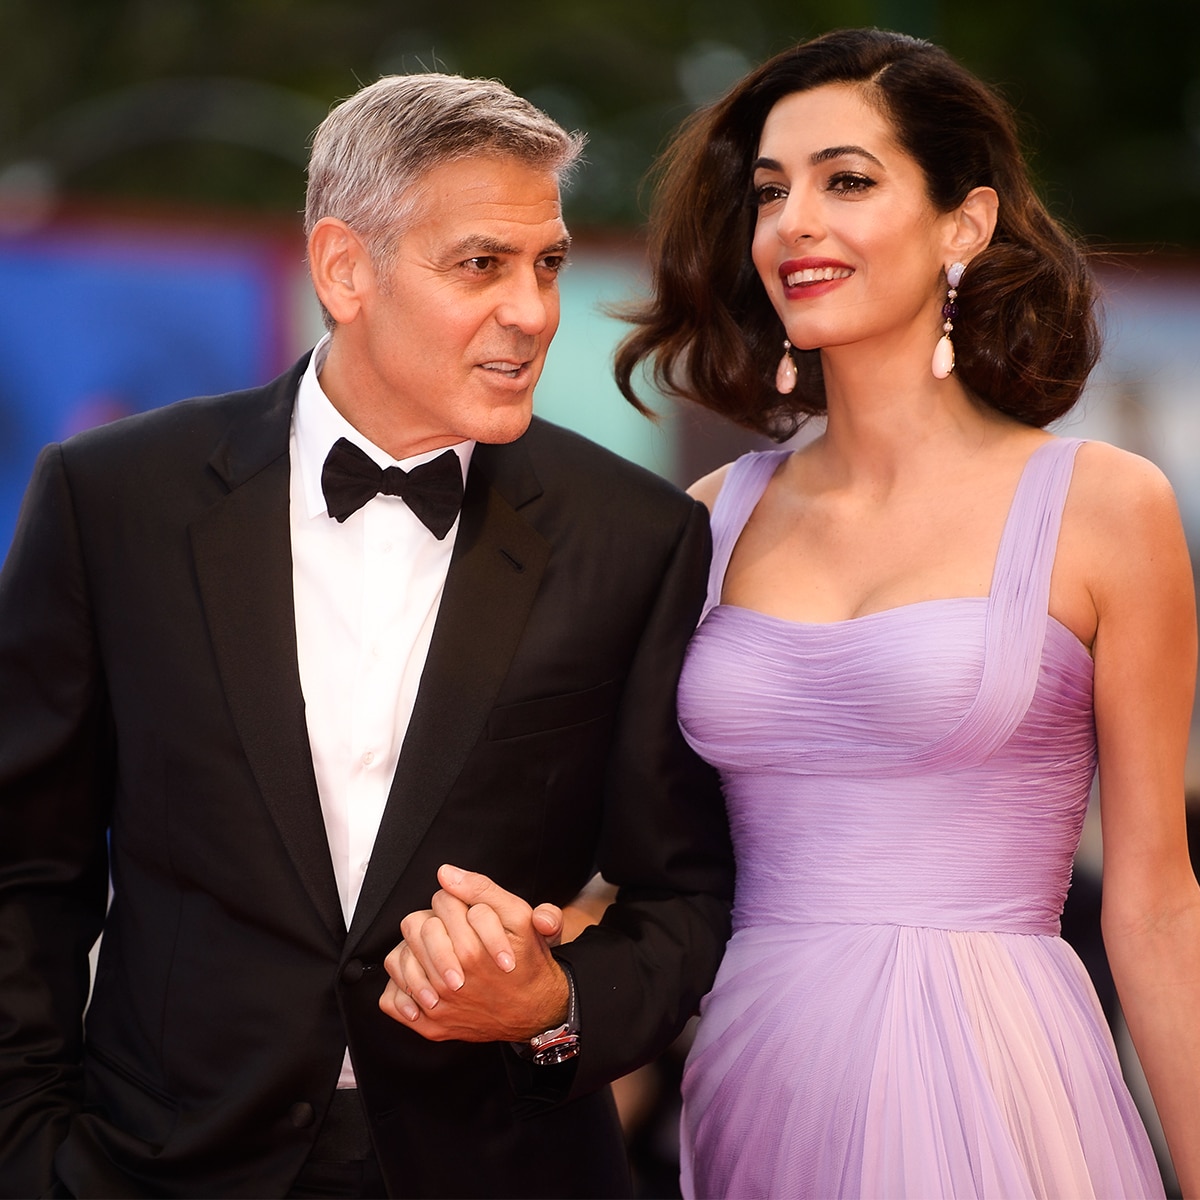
<point>434,490</point>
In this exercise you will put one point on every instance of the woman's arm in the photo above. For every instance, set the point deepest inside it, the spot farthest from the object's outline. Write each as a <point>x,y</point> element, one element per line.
<point>1145,668</point>
<point>587,908</point>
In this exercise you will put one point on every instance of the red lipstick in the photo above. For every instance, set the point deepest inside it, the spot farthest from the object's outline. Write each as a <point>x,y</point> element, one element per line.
<point>807,278</point>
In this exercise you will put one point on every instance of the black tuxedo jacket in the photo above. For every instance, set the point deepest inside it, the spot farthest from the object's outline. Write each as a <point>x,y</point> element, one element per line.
<point>152,725</point>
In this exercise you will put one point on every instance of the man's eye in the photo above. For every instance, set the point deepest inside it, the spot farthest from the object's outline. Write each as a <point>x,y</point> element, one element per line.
<point>554,262</point>
<point>480,262</point>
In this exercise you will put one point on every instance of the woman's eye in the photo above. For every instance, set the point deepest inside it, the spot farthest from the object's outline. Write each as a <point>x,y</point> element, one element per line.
<point>846,182</point>
<point>768,193</point>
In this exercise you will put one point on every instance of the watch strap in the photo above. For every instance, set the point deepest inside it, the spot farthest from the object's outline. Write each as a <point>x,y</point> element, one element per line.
<point>561,1043</point>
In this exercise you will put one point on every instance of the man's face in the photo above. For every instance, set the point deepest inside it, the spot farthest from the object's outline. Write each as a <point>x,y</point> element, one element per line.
<point>450,341</point>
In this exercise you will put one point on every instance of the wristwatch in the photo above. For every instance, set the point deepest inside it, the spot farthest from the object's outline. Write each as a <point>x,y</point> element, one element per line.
<point>560,1044</point>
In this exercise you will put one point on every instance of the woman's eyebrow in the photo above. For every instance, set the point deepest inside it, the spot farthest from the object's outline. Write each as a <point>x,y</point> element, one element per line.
<point>763,163</point>
<point>841,152</point>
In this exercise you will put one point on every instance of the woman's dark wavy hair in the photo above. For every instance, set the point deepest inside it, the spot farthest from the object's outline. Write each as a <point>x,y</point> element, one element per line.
<point>1027,336</point>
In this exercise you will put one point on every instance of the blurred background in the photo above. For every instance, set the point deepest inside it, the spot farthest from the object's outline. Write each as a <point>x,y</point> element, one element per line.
<point>152,176</point>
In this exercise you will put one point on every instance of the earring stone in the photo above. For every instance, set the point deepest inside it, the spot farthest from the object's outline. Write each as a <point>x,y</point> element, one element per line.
<point>943,352</point>
<point>785,373</point>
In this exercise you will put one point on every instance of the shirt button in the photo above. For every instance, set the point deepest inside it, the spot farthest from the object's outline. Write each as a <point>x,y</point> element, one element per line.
<point>368,758</point>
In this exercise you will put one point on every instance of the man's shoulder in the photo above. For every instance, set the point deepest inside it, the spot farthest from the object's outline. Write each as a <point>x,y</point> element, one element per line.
<point>564,458</point>
<point>190,415</point>
<point>193,425</point>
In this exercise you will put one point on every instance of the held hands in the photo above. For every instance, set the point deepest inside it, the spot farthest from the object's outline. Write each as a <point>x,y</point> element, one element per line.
<point>476,966</point>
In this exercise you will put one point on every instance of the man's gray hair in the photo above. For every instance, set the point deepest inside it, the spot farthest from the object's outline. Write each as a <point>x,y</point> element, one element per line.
<point>372,150</point>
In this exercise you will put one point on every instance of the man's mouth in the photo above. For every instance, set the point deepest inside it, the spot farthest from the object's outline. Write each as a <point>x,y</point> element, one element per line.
<point>512,370</point>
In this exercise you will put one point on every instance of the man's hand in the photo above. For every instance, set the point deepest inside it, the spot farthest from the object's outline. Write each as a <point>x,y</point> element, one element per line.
<point>476,966</point>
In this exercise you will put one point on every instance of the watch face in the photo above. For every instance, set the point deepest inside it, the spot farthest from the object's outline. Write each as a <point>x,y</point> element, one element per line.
<point>551,1035</point>
<point>559,1050</point>
<point>555,1046</point>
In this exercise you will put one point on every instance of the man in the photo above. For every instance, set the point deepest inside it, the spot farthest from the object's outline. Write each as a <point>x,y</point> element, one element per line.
<point>273,703</point>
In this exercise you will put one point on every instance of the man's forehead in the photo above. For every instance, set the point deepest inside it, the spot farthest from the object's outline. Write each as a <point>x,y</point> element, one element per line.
<point>490,180</point>
<point>490,206</point>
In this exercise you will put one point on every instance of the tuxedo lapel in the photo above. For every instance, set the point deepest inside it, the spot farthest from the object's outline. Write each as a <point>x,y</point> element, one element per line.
<point>241,547</point>
<point>493,580</point>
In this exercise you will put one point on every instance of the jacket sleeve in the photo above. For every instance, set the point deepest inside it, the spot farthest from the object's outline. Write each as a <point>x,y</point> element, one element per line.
<point>56,783</point>
<point>640,974</point>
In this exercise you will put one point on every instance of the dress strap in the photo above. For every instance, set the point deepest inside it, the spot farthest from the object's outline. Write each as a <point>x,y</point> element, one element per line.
<point>741,490</point>
<point>1025,559</point>
<point>1018,603</point>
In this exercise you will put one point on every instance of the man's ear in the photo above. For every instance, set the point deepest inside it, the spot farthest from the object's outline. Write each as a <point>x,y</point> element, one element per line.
<point>972,224</point>
<point>340,268</point>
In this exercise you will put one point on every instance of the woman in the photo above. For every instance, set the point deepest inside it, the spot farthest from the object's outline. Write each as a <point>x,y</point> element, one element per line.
<point>924,627</point>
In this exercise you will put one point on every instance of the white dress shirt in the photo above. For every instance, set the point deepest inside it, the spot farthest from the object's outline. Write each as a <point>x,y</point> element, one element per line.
<point>366,593</point>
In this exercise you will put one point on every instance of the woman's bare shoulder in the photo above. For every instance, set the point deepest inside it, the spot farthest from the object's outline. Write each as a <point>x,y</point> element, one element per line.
<point>707,488</point>
<point>1122,525</point>
<point>1120,492</point>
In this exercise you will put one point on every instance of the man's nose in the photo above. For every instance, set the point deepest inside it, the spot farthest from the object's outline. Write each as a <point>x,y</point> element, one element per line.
<point>525,304</point>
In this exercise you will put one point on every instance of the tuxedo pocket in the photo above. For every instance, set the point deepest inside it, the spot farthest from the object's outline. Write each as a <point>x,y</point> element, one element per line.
<point>128,1102</point>
<point>553,712</point>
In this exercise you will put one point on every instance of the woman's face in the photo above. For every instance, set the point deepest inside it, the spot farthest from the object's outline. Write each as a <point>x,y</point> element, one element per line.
<point>846,242</point>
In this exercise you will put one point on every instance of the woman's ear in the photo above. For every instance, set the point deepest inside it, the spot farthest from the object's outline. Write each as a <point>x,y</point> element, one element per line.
<point>972,224</point>
<point>340,268</point>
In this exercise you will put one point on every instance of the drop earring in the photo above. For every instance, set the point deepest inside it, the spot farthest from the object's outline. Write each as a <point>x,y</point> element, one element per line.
<point>785,373</point>
<point>943,352</point>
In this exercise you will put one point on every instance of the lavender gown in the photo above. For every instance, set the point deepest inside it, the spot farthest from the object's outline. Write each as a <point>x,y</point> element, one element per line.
<point>895,1014</point>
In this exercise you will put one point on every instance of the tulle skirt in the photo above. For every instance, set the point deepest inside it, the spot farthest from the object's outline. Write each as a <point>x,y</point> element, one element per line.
<point>891,1061</point>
